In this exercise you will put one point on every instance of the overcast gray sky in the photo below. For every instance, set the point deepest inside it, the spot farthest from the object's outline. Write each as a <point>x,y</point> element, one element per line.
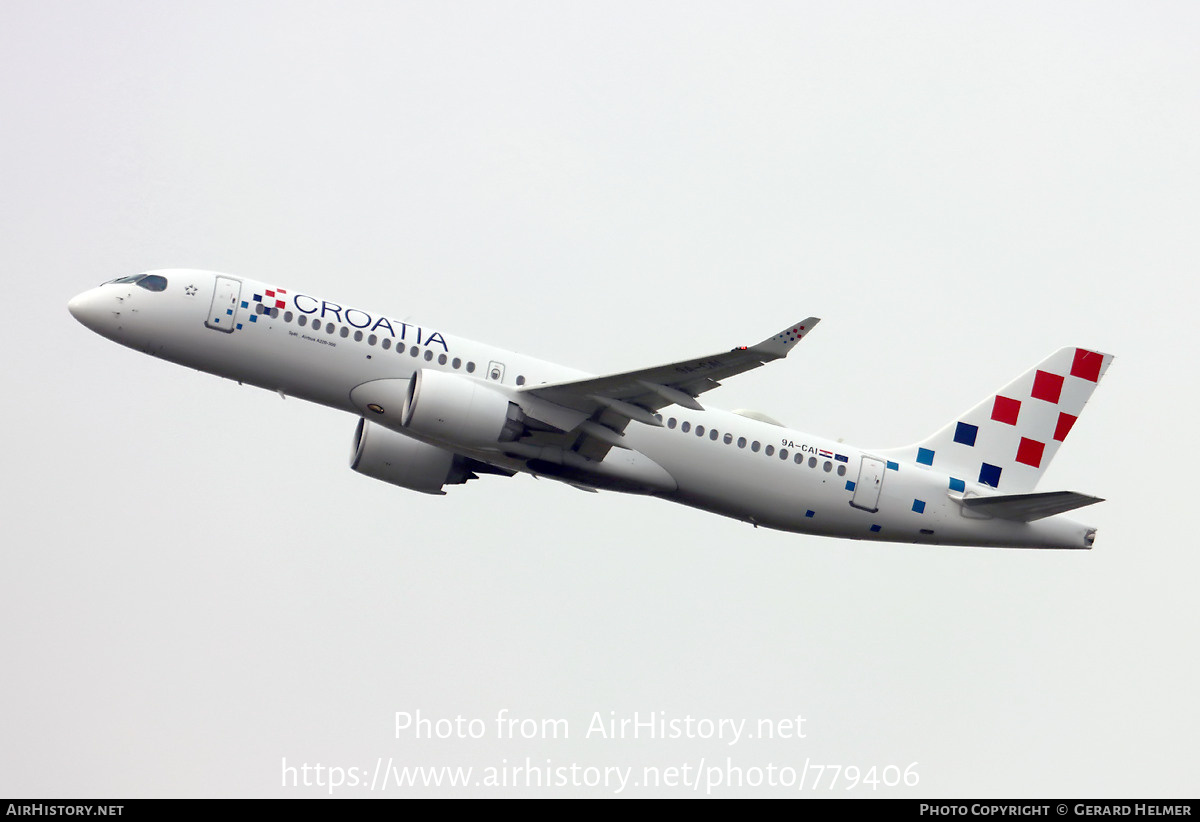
<point>195,586</point>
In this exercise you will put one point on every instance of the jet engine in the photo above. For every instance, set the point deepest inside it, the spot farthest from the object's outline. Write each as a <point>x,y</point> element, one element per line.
<point>456,409</point>
<point>400,460</point>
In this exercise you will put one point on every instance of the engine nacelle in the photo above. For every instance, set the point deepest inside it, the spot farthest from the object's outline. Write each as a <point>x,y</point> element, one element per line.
<point>400,460</point>
<point>457,409</point>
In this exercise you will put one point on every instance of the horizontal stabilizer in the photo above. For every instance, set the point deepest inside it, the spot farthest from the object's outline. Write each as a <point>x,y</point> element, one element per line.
<point>1028,507</point>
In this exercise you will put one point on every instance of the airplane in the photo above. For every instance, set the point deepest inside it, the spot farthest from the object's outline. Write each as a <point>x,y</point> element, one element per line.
<point>436,410</point>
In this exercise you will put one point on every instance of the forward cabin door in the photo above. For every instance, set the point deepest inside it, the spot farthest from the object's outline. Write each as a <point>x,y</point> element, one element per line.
<point>870,483</point>
<point>224,304</point>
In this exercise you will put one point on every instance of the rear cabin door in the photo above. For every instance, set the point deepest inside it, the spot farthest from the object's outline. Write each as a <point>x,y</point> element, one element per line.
<point>870,483</point>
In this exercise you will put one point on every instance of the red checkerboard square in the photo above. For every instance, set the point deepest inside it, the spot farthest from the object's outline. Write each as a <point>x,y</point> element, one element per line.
<point>1030,452</point>
<point>1065,421</point>
<point>1047,386</point>
<point>1087,364</point>
<point>1006,410</point>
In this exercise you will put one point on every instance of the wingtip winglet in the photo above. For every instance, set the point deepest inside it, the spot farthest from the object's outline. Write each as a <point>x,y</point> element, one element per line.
<point>780,344</point>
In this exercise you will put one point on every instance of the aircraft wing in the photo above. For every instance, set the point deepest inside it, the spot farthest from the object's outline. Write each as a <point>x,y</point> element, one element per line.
<point>612,401</point>
<point>677,383</point>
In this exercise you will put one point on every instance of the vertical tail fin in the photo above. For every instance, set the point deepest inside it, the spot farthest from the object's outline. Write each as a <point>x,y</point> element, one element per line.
<point>1007,440</point>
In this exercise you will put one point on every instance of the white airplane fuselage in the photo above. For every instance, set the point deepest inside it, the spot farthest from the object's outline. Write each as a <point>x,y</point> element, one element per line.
<point>315,349</point>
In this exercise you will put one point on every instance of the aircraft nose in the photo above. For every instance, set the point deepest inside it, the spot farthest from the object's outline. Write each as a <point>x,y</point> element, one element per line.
<point>86,308</point>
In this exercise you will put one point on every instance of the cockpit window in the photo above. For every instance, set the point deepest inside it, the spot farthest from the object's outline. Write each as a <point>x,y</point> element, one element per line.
<point>150,282</point>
